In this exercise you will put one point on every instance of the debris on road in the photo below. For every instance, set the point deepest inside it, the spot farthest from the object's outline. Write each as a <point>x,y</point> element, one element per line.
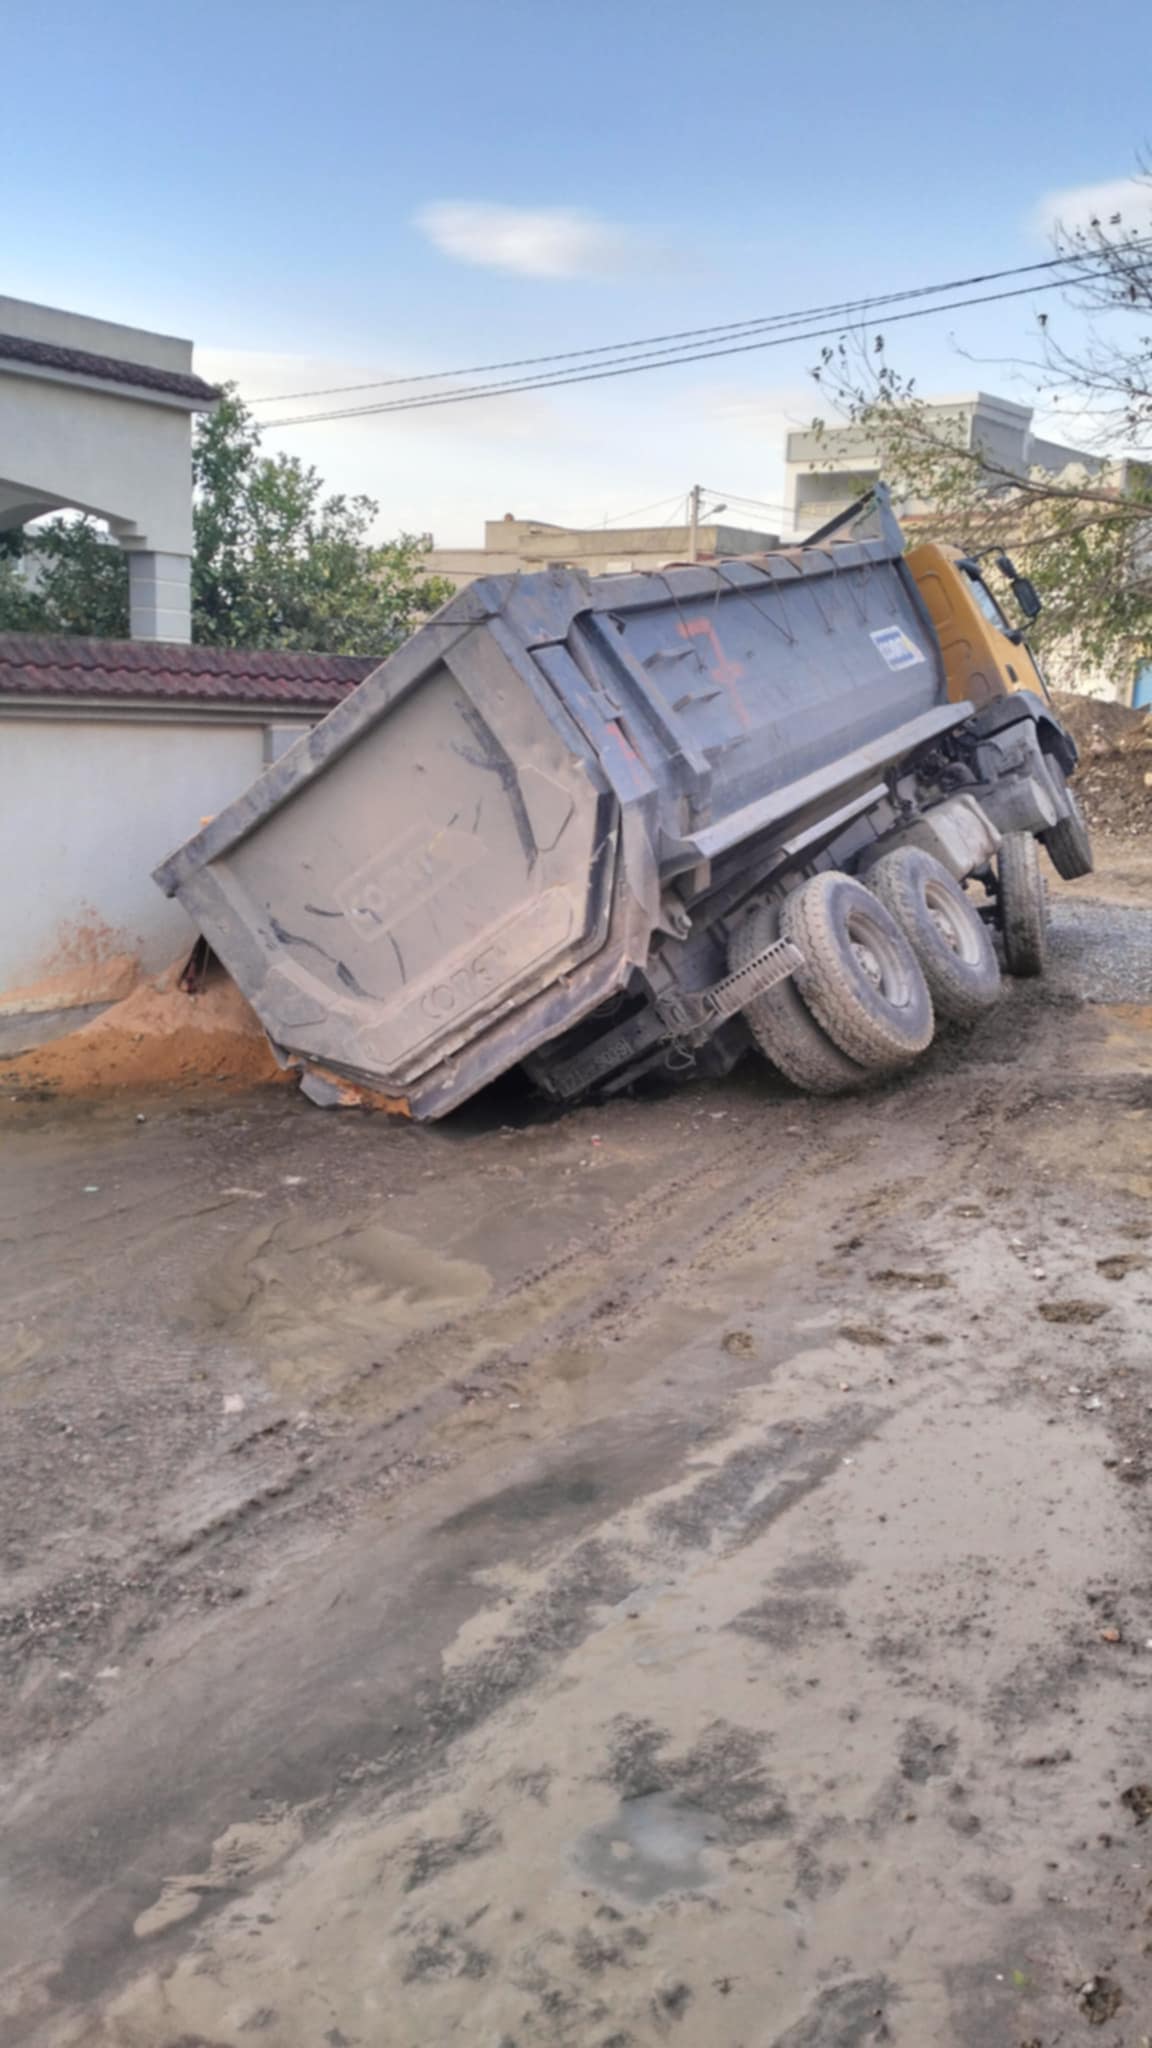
<point>1100,2000</point>
<point>1118,1265</point>
<point>1072,1311</point>
<point>1138,1800</point>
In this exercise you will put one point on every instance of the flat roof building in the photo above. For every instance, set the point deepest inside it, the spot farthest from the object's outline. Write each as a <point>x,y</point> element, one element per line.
<point>824,471</point>
<point>512,545</point>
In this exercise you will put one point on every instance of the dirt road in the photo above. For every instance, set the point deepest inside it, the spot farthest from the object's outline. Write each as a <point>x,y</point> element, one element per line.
<point>675,1573</point>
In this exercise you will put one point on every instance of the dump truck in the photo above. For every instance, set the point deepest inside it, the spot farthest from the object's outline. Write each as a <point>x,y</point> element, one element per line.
<point>634,825</point>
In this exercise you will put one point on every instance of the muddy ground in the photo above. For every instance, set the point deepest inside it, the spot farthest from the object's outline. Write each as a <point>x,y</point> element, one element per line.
<point>675,1573</point>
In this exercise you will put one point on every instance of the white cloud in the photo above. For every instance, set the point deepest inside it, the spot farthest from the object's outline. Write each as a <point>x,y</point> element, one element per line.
<point>553,241</point>
<point>1079,205</point>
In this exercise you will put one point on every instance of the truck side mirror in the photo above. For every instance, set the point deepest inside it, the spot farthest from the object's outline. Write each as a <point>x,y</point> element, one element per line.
<point>1027,596</point>
<point>1022,587</point>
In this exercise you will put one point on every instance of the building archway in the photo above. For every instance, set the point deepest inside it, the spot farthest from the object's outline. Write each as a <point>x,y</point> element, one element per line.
<point>96,417</point>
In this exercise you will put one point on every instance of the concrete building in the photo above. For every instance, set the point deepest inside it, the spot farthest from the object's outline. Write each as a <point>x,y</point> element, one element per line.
<point>114,752</point>
<point>825,472</point>
<point>512,544</point>
<point>96,417</point>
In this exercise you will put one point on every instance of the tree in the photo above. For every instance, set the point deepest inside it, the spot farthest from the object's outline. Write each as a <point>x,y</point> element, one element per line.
<point>275,563</point>
<point>1084,533</point>
<point>68,576</point>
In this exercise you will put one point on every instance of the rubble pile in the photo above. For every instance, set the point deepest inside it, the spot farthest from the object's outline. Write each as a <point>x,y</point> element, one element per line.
<point>1114,779</point>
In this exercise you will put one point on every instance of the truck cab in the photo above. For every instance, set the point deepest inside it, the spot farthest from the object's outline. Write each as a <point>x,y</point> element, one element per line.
<point>984,656</point>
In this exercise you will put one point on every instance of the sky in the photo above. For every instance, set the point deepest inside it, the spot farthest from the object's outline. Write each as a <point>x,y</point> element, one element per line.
<point>322,194</point>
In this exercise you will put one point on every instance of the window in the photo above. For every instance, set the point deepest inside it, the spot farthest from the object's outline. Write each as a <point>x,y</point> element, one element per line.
<point>987,602</point>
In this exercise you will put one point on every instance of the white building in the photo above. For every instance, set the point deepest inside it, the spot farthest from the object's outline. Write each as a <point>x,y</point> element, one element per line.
<point>114,752</point>
<point>824,472</point>
<point>96,417</point>
<point>512,545</point>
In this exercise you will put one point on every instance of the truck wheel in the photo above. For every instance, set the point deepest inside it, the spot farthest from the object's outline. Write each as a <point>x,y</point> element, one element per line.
<point>783,1029</point>
<point>1023,903</point>
<point>946,934</point>
<point>860,977</point>
<point>1068,842</point>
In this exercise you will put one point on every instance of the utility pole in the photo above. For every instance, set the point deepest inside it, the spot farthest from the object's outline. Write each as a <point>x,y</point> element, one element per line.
<point>695,496</point>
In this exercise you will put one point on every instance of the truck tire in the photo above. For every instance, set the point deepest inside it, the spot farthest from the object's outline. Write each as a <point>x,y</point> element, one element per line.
<point>1068,843</point>
<point>784,1030</point>
<point>1023,904</point>
<point>860,977</point>
<point>947,935</point>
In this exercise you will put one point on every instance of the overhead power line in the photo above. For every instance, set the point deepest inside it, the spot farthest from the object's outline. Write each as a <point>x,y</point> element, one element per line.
<point>732,328</point>
<point>657,505</point>
<point>736,498</point>
<point>660,359</point>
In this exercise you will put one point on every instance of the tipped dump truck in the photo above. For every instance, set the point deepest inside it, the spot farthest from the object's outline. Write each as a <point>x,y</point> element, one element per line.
<point>604,827</point>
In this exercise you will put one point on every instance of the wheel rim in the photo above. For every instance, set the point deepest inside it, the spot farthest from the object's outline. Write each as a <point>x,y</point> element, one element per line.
<point>880,959</point>
<point>953,922</point>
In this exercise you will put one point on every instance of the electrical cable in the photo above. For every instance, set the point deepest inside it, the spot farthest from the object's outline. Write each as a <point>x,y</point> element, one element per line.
<point>657,505</point>
<point>731,327</point>
<point>664,359</point>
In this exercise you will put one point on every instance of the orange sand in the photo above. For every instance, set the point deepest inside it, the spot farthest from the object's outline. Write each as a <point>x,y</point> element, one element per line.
<point>156,1038</point>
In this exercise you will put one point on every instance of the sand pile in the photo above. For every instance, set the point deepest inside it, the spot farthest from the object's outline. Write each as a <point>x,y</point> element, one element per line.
<point>158,1037</point>
<point>1114,779</point>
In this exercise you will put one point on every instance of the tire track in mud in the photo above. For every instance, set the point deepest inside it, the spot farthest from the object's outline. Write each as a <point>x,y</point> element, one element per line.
<point>615,1288</point>
<point>625,1261</point>
<point>609,1290</point>
<point>665,1266</point>
<point>673,1251</point>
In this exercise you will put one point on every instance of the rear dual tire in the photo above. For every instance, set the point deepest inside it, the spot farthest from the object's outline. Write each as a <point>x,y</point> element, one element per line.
<point>784,1030</point>
<point>860,977</point>
<point>859,1004</point>
<point>947,935</point>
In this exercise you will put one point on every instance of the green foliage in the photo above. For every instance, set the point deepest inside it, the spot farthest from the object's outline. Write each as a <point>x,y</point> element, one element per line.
<point>276,563</point>
<point>64,577</point>
<point>1084,534</point>
<point>279,565</point>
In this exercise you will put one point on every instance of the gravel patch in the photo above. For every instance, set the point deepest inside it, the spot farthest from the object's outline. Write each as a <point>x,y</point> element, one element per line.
<point>1101,951</point>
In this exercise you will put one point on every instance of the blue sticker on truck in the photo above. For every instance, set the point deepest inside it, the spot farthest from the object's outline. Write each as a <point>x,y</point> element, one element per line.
<point>898,649</point>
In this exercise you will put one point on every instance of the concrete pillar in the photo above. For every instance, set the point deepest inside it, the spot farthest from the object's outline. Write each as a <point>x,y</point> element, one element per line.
<point>159,596</point>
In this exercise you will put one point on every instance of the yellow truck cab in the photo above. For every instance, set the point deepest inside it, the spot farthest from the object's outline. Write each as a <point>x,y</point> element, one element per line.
<point>984,656</point>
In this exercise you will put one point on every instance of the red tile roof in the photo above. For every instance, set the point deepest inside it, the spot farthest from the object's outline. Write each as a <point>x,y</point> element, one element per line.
<point>164,672</point>
<point>81,362</point>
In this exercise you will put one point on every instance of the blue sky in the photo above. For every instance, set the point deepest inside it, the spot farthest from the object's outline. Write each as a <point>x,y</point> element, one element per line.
<point>317,193</point>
